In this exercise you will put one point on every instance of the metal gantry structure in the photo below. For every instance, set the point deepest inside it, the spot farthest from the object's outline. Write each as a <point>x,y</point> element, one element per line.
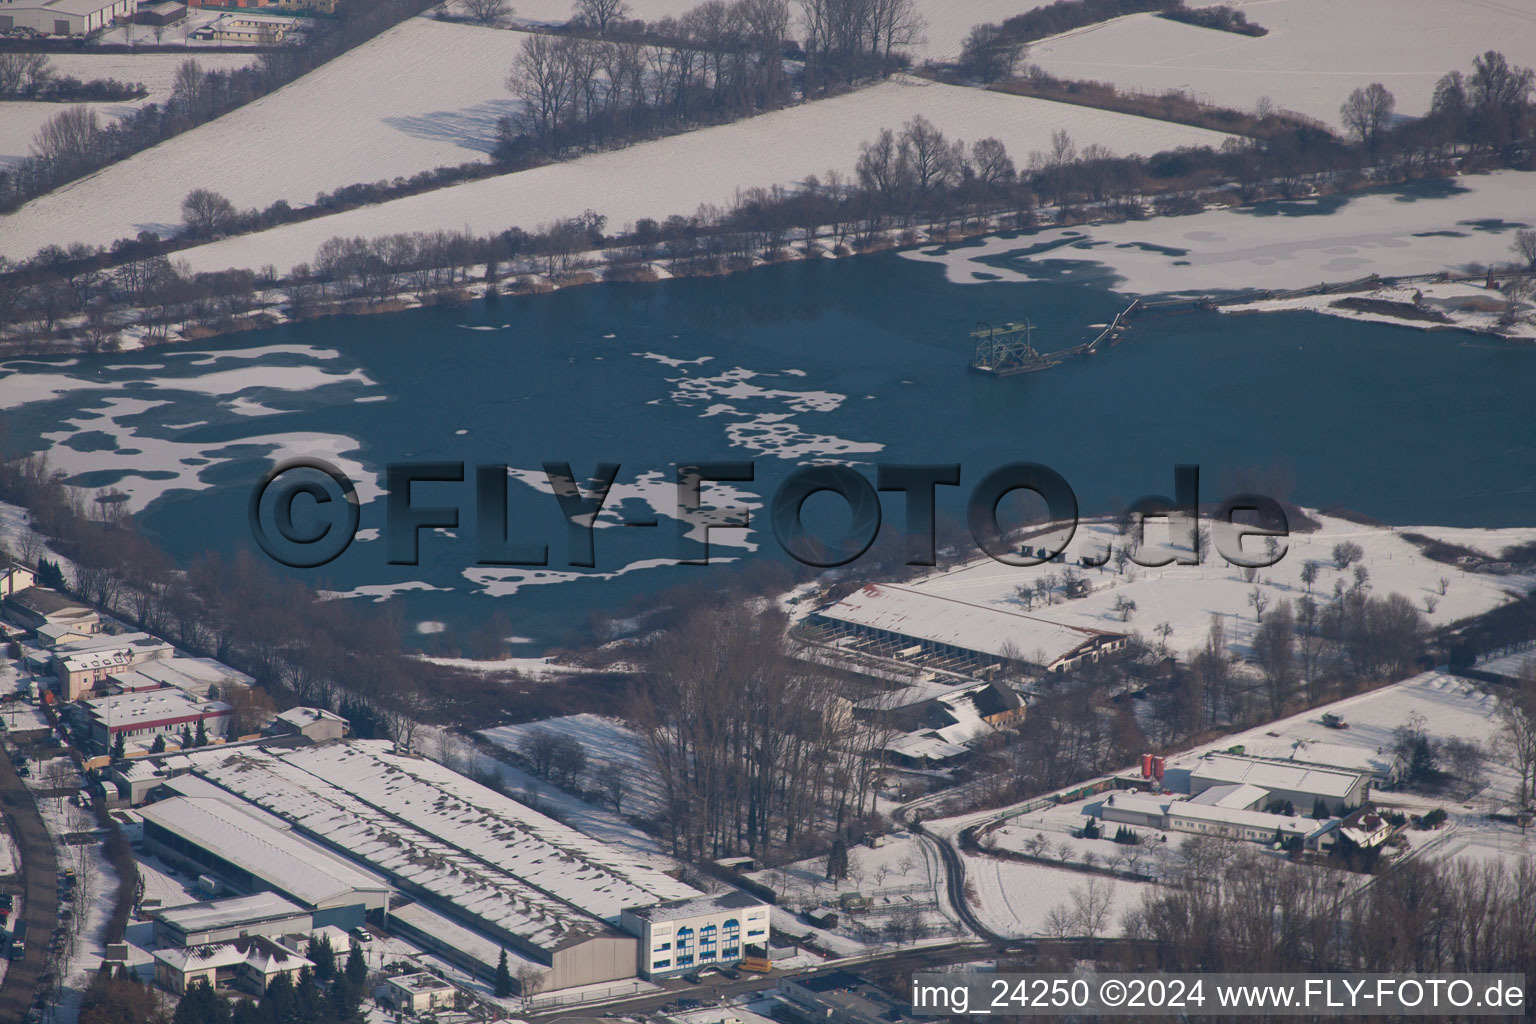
<point>1005,350</point>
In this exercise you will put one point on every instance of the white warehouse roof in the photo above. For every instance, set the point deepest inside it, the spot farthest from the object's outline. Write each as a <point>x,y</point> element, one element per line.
<point>975,627</point>
<point>238,910</point>
<point>1272,775</point>
<point>280,859</point>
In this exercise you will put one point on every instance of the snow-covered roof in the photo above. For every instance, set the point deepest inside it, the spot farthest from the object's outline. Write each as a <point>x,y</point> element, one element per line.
<point>462,938</point>
<point>428,836</point>
<point>228,913</point>
<point>924,745</point>
<point>1235,795</point>
<point>679,910</point>
<point>1257,820</point>
<point>421,981</point>
<point>997,632</point>
<point>301,717</point>
<point>1139,803</point>
<point>258,951</point>
<point>144,769</point>
<point>1272,775</point>
<point>280,859</point>
<point>1319,753</point>
<point>193,675</point>
<point>139,643</point>
<point>152,709</point>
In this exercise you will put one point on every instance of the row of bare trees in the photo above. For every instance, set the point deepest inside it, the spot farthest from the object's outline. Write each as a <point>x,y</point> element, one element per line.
<point>1227,906</point>
<point>719,61</point>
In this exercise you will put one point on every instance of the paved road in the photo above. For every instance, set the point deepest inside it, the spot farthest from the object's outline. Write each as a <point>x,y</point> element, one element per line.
<point>40,895</point>
<point>954,881</point>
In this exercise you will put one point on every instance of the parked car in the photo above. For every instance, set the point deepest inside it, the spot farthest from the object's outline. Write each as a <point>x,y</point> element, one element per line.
<point>730,972</point>
<point>689,1004</point>
<point>694,978</point>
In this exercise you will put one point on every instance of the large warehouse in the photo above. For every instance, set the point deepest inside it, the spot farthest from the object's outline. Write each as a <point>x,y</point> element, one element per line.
<point>548,892</point>
<point>894,621</point>
<point>1299,785</point>
<point>240,846</point>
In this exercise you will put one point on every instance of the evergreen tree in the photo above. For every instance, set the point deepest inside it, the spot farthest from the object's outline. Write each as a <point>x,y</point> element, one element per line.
<point>1319,809</point>
<point>345,998</point>
<point>119,747</point>
<point>158,747</point>
<point>503,977</point>
<point>186,738</point>
<point>324,957</point>
<point>357,967</point>
<point>309,1002</point>
<point>201,739</point>
<point>280,1003</point>
<point>837,860</point>
<point>49,574</point>
<point>202,1005</point>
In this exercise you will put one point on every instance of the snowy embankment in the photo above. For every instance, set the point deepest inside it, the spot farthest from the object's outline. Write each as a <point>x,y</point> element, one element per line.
<point>1430,306</point>
<point>20,120</point>
<point>1276,246</point>
<point>1186,598</point>
<point>674,175</point>
<point>1315,54</point>
<point>424,94</point>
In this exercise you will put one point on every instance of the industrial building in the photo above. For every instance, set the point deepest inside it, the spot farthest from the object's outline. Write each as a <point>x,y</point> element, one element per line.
<point>684,935</point>
<point>468,857</point>
<point>140,717</point>
<point>1298,785</point>
<point>916,626</point>
<point>243,847</point>
<point>1229,811</point>
<point>1383,766</point>
<point>33,606</point>
<point>87,665</point>
<point>260,913</point>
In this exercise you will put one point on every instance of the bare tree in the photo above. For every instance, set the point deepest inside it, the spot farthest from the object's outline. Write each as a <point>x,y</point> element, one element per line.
<point>1367,112</point>
<point>206,213</point>
<point>1091,907</point>
<point>1517,738</point>
<point>488,12</point>
<point>600,14</point>
<point>1524,246</point>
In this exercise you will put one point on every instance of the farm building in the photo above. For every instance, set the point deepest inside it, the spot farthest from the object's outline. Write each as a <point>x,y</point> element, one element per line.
<point>907,624</point>
<point>1297,785</point>
<point>244,848</point>
<point>684,935</point>
<point>260,913</point>
<point>936,721</point>
<point>63,17</point>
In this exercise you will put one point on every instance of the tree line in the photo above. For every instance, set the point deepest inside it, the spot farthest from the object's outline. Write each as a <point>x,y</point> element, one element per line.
<point>32,76</point>
<point>1226,906</point>
<point>719,61</point>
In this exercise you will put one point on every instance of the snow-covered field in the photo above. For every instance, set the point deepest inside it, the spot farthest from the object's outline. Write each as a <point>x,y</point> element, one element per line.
<point>422,95</point>
<point>1277,245</point>
<point>1017,897</point>
<point>1316,52</point>
<point>1186,597</point>
<point>674,175</point>
<point>609,744</point>
<point>19,120</point>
